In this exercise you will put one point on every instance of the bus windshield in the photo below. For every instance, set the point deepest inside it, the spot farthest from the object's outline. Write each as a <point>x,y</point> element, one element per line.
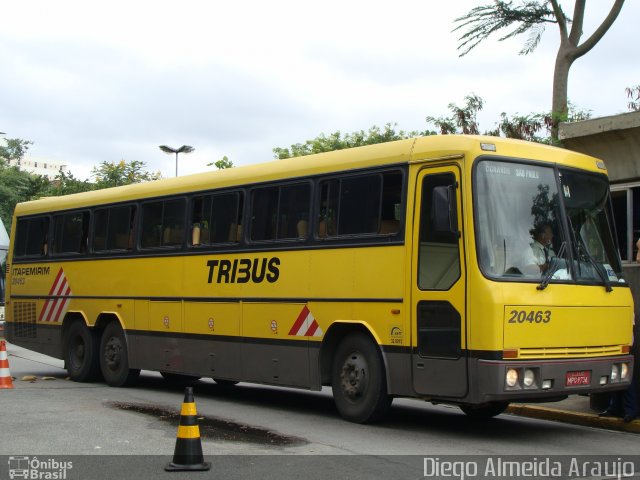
<point>521,229</point>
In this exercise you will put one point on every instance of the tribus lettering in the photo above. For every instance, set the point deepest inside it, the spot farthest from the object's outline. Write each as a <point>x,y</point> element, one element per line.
<point>244,270</point>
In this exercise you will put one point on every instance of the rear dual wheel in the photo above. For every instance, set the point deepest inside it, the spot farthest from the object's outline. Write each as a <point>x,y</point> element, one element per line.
<point>81,352</point>
<point>114,358</point>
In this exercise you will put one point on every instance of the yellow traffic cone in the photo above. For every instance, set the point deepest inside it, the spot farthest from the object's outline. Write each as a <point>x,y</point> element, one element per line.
<point>5,375</point>
<point>188,452</point>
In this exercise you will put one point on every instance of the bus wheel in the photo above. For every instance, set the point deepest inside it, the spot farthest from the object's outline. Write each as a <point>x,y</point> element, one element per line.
<point>81,348</point>
<point>178,378</point>
<point>114,359</point>
<point>483,412</point>
<point>358,380</point>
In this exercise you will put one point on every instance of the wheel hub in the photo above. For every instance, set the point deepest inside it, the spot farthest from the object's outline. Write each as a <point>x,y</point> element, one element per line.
<point>113,353</point>
<point>353,377</point>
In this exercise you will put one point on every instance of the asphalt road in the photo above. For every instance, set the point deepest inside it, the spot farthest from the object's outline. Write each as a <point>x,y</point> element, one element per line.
<point>258,431</point>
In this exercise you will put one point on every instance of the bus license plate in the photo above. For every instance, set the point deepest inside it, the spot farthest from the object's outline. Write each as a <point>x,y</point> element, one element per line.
<point>574,379</point>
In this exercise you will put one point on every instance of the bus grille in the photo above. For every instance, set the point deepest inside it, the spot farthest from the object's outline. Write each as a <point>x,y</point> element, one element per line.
<point>24,317</point>
<point>594,351</point>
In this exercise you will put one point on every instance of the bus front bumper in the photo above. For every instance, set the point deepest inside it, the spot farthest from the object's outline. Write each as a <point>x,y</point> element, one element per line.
<point>531,380</point>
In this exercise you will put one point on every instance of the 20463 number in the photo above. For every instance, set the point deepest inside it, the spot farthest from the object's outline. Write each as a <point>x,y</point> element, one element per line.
<point>531,316</point>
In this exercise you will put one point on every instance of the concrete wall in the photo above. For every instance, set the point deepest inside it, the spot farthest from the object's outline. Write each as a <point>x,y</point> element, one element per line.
<point>614,139</point>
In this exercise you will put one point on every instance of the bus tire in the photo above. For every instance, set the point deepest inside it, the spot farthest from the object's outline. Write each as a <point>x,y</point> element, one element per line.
<point>484,412</point>
<point>114,358</point>
<point>358,380</point>
<point>81,352</point>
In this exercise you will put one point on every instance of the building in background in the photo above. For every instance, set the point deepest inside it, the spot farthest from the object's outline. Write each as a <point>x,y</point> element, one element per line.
<point>40,166</point>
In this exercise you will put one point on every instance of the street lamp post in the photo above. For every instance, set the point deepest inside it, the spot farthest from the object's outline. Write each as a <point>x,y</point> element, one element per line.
<point>182,149</point>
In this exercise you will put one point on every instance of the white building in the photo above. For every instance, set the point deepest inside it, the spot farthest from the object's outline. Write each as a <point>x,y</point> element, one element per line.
<point>40,166</point>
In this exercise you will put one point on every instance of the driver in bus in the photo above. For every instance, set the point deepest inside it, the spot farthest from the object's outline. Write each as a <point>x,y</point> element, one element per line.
<point>542,245</point>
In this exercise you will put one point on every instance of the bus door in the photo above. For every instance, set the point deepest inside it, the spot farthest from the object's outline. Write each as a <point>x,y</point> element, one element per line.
<point>439,362</point>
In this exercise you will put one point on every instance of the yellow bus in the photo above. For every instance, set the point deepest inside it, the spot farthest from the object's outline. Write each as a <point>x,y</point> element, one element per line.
<point>474,271</point>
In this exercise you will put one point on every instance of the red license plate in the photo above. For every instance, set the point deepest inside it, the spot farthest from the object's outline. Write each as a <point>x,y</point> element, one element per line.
<point>574,379</point>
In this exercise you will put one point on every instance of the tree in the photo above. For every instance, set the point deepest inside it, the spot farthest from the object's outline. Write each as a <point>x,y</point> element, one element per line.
<point>111,174</point>
<point>221,164</point>
<point>535,127</point>
<point>337,141</point>
<point>15,149</point>
<point>17,186</point>
<point>464,118</point>
<point>66,184</point>
<point>532,16</point>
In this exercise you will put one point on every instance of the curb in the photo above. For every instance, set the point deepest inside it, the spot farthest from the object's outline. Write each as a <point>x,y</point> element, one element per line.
<point>574,418</point>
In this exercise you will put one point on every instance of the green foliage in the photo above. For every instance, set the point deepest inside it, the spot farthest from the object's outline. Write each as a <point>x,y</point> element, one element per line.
<point>15,186</point>
<point>66,184</point>
<point>221,164</point>
<point>338,141</point>
<point>112,174</point>
<point>463,118</point>
<point>483,21</point>
<point>535,127</point>
<point>633,93</point>
<point>15,149</point>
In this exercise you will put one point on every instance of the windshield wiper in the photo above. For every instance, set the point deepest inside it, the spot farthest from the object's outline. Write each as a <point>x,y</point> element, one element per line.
<point>598,268</point>
<point>581,248</point>
<point>553,268</point>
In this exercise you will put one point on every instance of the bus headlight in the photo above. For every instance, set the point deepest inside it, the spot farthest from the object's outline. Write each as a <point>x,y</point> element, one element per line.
<point>511,378</point>
<point>624,371</point>
<point>528,378</point>
<point>614,373</point>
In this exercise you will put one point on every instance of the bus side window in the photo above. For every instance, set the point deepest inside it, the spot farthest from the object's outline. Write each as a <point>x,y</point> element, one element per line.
<point>279,212</point>
<point>163,223</point>
<point>360,205</point>
<point>71,233</point>
<point>216,218</point>
<point>32,236</point>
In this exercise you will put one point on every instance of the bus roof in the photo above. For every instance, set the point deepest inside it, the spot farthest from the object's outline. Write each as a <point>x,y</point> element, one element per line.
<point>401,151</point>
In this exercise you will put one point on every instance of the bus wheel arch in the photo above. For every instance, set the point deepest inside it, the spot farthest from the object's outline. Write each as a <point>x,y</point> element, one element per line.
<point>337,331</point>
<point>105,318</point>
<point>80,348</point>
<point>114,356</point>
<point>358,375</point>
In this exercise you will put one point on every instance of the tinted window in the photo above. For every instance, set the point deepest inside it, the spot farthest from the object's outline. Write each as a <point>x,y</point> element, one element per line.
<point>363,204</point>
<point>216,218</point>
<point>113,228</point>
<point>163,223</point>
<point>280,212</point>
<point>70,233</point>
<point>31,237</point>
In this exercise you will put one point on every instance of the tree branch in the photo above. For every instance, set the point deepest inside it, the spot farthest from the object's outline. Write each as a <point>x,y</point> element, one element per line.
<point>601,30</point>
<point>561,18</point>
<point>578,22</point>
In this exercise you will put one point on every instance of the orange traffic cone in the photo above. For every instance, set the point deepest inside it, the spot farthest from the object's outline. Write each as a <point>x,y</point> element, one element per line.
<point>5,374</point>
<point>188,452</point>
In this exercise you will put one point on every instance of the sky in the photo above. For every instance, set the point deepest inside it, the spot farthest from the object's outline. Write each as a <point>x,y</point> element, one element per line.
<point>89,82</point>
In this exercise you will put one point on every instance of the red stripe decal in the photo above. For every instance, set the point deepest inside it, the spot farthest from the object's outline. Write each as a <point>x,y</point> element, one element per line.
<point>298,323</point>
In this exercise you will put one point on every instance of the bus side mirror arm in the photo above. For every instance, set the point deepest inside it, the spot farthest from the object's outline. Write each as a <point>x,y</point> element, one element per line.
<point>444,210</point>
